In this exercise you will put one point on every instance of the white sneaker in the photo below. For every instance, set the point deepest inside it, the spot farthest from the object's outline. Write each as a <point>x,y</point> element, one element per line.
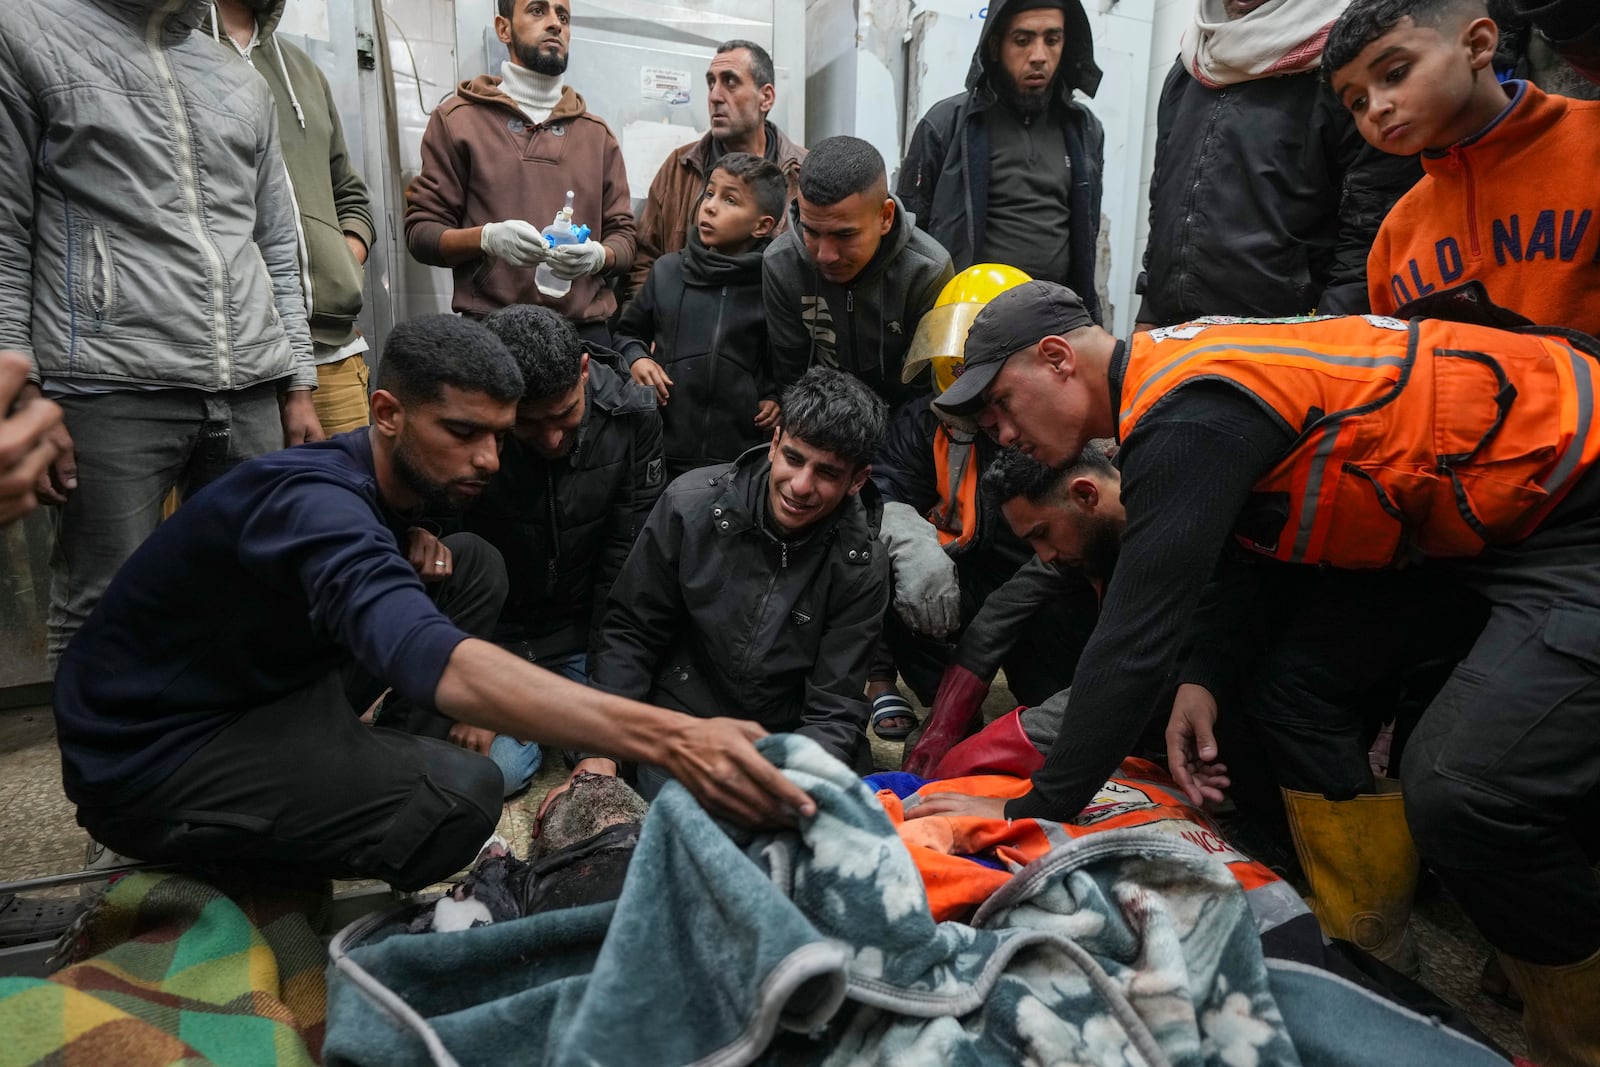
<point>97,857</point>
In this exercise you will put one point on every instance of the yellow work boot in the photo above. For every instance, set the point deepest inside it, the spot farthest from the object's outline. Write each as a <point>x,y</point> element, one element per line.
<point>1362,868</point>
<point>1560,1010</point>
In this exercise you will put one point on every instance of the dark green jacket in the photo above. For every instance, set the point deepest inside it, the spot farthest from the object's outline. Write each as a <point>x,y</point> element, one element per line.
<point>331,196</point>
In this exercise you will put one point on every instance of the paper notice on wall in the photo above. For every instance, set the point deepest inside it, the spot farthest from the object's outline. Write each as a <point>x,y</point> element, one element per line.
<point>665,84</point>
<point>309,18</point>
<point>645,145</point>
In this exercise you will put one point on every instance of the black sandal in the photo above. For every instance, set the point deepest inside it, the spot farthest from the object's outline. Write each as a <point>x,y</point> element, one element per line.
<point>892,705</point>
<point>29,920</point>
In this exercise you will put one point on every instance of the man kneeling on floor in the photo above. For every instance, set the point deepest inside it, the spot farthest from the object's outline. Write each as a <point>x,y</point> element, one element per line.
<point>757,588</point>
<point>203,712</point>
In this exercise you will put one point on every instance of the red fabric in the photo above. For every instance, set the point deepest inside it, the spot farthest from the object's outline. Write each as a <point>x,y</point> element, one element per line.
<point>1002,747</point>
<point>955,706</point>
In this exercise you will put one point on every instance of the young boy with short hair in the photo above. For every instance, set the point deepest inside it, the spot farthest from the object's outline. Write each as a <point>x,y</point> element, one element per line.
<point>1507,194</point>
<point>701,307</point>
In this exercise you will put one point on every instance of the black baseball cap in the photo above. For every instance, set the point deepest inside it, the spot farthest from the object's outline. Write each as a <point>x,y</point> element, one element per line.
<point>1016,319</point>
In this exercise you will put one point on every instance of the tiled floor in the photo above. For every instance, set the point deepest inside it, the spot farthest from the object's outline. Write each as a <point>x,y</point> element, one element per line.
<point>39,836</point>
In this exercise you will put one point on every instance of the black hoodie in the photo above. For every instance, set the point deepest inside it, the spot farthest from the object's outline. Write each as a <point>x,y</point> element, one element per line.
<point>945,180</point>
<point>863,327</point>
<point>702,310</point>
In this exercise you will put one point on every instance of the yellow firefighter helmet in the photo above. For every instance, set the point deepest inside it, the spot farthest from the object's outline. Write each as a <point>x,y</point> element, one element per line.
<point>942,334</point>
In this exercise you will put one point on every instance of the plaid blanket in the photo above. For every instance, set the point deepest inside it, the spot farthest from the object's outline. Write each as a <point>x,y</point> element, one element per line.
<point>177,973</point>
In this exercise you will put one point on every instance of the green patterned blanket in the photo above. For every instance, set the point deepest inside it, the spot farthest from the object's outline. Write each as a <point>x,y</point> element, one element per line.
<point>177,973</point>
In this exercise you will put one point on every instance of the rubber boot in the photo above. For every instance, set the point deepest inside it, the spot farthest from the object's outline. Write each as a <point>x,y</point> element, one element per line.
<point>1560,1010</point>
<point>1362,868</point>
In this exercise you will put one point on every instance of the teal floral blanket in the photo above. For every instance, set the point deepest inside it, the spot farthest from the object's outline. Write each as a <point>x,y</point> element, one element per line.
<point>816,946</point>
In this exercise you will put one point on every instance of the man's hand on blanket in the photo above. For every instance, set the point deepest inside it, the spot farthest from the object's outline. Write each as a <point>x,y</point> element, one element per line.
<point>1192,746</point>
<point>959,804</point>
<point>717,761</point>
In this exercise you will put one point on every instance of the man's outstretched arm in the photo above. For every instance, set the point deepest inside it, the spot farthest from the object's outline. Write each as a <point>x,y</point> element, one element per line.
<point>1186,478</point>
<point>715,758</point>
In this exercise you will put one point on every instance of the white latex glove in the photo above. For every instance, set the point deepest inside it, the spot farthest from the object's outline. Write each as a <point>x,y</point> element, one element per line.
<point>927,594</point>
<point>514,241</point>
<point>574,261</point>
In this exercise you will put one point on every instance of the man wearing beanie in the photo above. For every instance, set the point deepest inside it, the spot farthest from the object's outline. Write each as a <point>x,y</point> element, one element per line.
<point>1010,171</point>
<point>497,161</point>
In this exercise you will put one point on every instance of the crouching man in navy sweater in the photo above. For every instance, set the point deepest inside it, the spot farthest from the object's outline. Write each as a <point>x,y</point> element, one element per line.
<point>208,710</point>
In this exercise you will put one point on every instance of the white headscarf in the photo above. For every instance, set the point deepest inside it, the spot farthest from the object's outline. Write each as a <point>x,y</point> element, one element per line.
<point>1279,37</point>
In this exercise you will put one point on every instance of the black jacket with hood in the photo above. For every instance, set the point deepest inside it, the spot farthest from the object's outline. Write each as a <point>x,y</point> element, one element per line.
<point>565,526</point>
<point>863,327</point>
<point>716,616</point>
<point>1264,201</point>
<point>702,309</point>
<point>944,179</point>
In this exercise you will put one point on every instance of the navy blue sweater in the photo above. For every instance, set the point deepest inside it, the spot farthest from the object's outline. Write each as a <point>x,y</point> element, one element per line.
<point>277,573</point>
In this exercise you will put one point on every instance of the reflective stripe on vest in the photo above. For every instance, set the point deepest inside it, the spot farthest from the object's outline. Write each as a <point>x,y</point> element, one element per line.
<point>955,516</point>
<point>1429,439</point>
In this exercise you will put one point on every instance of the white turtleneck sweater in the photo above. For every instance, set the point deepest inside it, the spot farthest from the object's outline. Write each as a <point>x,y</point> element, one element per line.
<point>536,94</point>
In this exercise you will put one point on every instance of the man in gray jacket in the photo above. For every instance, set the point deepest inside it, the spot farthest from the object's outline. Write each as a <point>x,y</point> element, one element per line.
<point>148,267</point>
<point>848,282</point>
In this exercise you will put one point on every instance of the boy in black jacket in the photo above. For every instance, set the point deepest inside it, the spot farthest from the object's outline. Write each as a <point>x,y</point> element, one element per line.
<point>702,310</point>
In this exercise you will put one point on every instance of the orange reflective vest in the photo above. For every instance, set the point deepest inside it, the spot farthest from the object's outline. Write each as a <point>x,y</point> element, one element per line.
<point>955,463</point>
<point>1428,438</point>
<point>1141,795</point>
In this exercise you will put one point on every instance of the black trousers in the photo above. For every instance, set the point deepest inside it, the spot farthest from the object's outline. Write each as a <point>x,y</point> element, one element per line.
<point>1505,758</point>
<point>1339,653</point>
<point>1505,763</point>
<point>300,788</point>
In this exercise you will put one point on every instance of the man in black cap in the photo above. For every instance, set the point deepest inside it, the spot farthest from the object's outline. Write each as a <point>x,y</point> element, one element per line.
<point>1353,443</point>
<point>1009,171</point>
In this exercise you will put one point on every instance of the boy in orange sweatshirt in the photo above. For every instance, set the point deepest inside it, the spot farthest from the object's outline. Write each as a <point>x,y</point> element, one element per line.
<point>1507,196</point>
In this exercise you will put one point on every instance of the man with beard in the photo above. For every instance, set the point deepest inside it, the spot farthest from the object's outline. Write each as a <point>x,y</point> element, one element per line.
<point>1010,170</point>
<point>499,159</point>
<point>1072,519</point>
<point>1359,444</point>
<point>206,711</point>
<point>579,474</point>
<point>739,95</point>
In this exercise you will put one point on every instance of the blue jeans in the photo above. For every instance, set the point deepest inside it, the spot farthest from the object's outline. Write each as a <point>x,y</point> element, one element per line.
<point>519,760</point>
